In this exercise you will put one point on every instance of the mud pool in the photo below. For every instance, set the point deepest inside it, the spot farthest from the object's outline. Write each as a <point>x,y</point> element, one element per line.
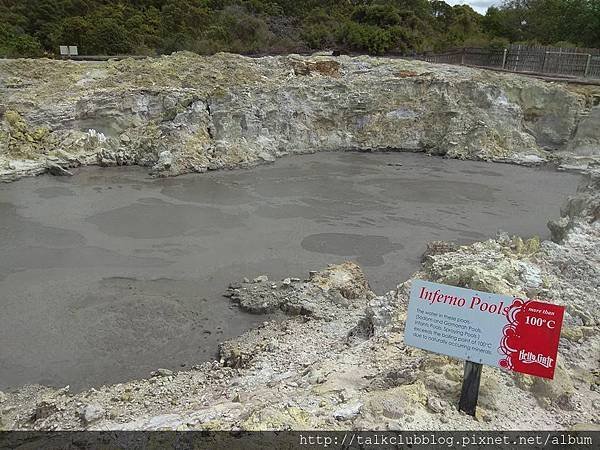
<point>108,275</point>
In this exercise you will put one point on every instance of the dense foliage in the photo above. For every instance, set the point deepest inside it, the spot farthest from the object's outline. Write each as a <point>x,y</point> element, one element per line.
<point>37,27</point>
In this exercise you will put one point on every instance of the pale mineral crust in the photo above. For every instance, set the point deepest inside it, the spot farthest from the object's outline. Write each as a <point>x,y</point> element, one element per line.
<point>188,113</point>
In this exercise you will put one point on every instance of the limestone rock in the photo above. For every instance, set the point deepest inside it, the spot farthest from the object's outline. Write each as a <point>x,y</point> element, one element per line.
<point>44,409</point>
<point>557,391</point>
<point>233,111</point>
<point>347,278</point>
<point>438,248</point>
<point>165,161</point>
<point>584,207</point>
<point>58,170</point>
<point>436,405</point>
<point>348,412</point>
<point>91,413</point>
<point>393,408</point>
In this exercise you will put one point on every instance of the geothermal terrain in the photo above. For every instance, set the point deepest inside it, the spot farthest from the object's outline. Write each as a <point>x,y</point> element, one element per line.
<point>143,288</point>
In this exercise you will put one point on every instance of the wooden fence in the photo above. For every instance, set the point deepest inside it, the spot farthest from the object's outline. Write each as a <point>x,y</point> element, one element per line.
<point>570,62</point>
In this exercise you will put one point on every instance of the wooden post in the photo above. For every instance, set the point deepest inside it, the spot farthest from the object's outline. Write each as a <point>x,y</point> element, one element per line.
<point>587,65</point>
<point>505,53</point>
<point>470,388</point>
<point>544,62</point>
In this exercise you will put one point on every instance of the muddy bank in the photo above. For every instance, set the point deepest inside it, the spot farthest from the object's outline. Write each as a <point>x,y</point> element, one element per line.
<point>186,113</point>
<point>109,274</point>
<point>339,361</point>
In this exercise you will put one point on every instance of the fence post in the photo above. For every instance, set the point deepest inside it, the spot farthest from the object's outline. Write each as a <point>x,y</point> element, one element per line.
<point>505,53</point>
<point>544,61</point>
<point>587,66</point>
<point>462,57</point>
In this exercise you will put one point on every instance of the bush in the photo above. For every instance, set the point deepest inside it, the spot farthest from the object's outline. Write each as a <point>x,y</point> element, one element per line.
<point>18,45</point>
<point>365,38</point>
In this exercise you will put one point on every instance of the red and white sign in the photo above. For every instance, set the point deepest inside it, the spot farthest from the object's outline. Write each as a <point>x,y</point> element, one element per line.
<point>530,339</point>
<point>508,332</point>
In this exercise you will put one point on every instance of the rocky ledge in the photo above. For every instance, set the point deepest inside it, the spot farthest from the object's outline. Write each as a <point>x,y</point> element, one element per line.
<point>337,359</point>
<point>186,113</point>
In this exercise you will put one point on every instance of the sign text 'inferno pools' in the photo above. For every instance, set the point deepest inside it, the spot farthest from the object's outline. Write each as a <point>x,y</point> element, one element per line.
<point>498,330</point>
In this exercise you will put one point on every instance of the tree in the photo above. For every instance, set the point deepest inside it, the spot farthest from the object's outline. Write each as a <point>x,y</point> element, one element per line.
<point>31,27</point>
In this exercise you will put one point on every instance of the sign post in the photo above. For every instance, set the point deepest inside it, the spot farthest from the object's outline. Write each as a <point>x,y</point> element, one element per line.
<point>511,333</point>
<point>470,388</point>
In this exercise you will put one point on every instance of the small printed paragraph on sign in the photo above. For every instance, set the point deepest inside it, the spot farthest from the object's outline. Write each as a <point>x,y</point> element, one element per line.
<point>498,330</point>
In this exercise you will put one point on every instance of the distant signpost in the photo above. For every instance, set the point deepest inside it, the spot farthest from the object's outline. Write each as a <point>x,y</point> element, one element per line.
<point>499,330</point>
<point>66,51</point>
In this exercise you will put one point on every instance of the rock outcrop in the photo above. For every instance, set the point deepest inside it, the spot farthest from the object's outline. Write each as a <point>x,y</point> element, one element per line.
<point>580,209</point>
<point>187,113</point>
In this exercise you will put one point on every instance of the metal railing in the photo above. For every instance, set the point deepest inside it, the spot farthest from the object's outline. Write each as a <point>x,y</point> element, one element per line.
<point>576,63</point>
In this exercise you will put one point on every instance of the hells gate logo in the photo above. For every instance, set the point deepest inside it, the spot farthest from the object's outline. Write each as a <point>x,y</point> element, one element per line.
<point>532,331</point>
<point>530,358</point>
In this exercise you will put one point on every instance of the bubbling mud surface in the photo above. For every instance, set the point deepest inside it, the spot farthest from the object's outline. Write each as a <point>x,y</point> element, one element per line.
<point>108,275</point>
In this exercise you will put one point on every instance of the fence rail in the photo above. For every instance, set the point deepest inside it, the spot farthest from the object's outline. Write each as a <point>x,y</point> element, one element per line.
<point>571,62</point>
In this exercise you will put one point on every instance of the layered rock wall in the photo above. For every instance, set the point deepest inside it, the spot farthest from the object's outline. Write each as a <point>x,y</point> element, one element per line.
<point>187,113</point>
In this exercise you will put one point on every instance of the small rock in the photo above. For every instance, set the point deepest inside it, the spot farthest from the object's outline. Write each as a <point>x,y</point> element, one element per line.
<point>287,282</point>
<point>530,160</point>
<point>349,412</point>
<point>566,402</point>
<point>261,278</point>
<point>2,397</point>
<point>435,248</point>
<point>585,427</point>
<point>44,409</point>
<point>315,377</point>
<point>435,404</point>
<point>165,159</point>
<point>57,170</point>
<point>162,373</point>
<point>91,413</point>
<point>246,280</point>
<point>393,408</point>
